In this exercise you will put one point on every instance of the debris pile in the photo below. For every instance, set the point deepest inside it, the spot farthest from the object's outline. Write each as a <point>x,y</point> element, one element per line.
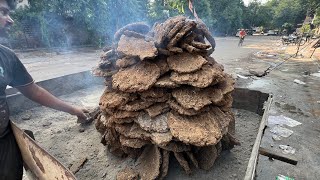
<point>165,96</point>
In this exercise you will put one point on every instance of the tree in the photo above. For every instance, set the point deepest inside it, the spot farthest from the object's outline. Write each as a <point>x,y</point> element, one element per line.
<point>288,27</point>
<point>226,15</point>
<point>289,11</point>
<point>55,19</point>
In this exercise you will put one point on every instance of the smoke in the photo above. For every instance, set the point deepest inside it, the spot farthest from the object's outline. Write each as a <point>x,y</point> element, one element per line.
<point>73,23</point>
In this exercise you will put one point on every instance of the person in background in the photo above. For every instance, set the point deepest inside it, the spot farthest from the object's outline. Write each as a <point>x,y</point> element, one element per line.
<point>242,35</point>
<point>13,73</point>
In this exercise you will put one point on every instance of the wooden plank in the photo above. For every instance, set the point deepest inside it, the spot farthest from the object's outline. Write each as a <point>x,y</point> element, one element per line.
<point>275,155</point>
<point>251,168</point>
<point>37,161</point>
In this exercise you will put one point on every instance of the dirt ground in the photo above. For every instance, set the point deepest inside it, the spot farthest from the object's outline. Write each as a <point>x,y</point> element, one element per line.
<point>300,102</point>
<point>297,101</point>
<point>70,143</point>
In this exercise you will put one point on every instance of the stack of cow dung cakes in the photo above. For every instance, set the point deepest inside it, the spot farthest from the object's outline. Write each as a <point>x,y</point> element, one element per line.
<point>165,96</point>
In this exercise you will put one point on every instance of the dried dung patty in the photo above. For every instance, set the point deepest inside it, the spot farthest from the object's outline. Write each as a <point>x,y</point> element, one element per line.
<point>223,119</point>
<point>156,124</point>
<point>201,78</point>
<point>176,146</point>
<point>127,174</point>
<point>183,162</point>
<point>119,114</point>
<point>232,123</point>
<point>165,164</point>
<point>149,162</point>
<point>131,46</point>
<point>161,62</point>
<point>164,98</point>
<point>161,138</point>
<point>166,82</point>
<point>192,158</point>
<point>226,101</point>
<point>157,109</point>
<point>103,72</point>
<point>131,152</point>
<point>174,105</point>
<point>189,25</point>
<point>227,86</point>
<point>101,124</point>
<point>214,94</point>
<point>132,131</point>
<point>126,62</point>
<point>122,120</point>
<point>153,93</point>
<point>191,98</point>
<point>206,157</point>
<point>135,105</point>
<point>136,78</point>
<point>199,130</point>
<point>162,30</point>
<point>112,137</point>
<point>112,99</point>
<point>138,27</point>
<point>186,62</point>
<point>212,61</point>
<point>132,142</point>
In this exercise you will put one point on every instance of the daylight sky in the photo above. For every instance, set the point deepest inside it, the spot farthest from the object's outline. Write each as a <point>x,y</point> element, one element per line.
<point>246,2</point>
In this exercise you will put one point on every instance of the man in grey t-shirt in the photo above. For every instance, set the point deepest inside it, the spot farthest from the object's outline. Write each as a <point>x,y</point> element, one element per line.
<point>13,73</point>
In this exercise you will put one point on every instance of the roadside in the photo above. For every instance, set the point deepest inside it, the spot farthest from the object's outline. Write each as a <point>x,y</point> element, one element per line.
<point>295,86</point>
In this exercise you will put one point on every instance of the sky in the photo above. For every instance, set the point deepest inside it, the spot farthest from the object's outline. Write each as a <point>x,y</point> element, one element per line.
<point>246,2</point>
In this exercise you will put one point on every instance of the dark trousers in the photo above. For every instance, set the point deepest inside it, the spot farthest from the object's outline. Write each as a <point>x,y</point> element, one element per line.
<point>11,163</point>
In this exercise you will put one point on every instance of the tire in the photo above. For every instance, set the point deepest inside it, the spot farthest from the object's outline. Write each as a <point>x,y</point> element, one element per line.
<point>302,42</point>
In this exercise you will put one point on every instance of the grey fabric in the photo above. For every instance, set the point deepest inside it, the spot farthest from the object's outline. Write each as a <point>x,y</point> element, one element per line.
<point>11,163</point>
<point>13,73</point>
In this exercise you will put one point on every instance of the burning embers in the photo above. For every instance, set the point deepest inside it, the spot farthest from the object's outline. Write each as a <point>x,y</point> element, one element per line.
<point>166,96</point>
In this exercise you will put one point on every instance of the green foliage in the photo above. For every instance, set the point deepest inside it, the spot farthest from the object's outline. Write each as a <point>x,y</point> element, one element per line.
<point>77,22</point>
<point>159,10</point>
<point>64,23</point>
<point>177,4</point>
<point>288,27</point>
<point>305,28</point>
<point>288,11</point>
<point>316,21</point>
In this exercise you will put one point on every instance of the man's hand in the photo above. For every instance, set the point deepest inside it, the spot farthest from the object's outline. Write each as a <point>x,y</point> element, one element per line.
<point>43,97</point>
<point>81,114</point>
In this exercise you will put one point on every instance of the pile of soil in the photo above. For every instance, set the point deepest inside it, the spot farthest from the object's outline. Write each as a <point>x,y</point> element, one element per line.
<point>165,96</point>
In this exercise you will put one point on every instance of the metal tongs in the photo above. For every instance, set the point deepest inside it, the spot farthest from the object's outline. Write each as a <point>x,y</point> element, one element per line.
<point>91,115</point>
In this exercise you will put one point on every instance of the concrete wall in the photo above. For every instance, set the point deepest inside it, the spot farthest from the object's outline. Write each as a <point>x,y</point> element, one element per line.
<point>250,100</point>
<point>57,86</point>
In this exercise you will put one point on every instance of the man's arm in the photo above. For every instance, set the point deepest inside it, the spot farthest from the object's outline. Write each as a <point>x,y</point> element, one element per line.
<point>43,97</point>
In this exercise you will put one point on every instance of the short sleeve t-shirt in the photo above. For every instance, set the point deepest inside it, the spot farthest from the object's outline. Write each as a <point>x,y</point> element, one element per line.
<point>13,73</point>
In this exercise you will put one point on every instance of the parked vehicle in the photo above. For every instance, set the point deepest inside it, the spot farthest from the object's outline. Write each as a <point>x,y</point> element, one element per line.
<point>272,33</point>
<point>293,39</point>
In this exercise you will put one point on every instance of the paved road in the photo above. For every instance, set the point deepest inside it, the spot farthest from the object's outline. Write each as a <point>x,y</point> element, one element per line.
<point>46,65</point>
